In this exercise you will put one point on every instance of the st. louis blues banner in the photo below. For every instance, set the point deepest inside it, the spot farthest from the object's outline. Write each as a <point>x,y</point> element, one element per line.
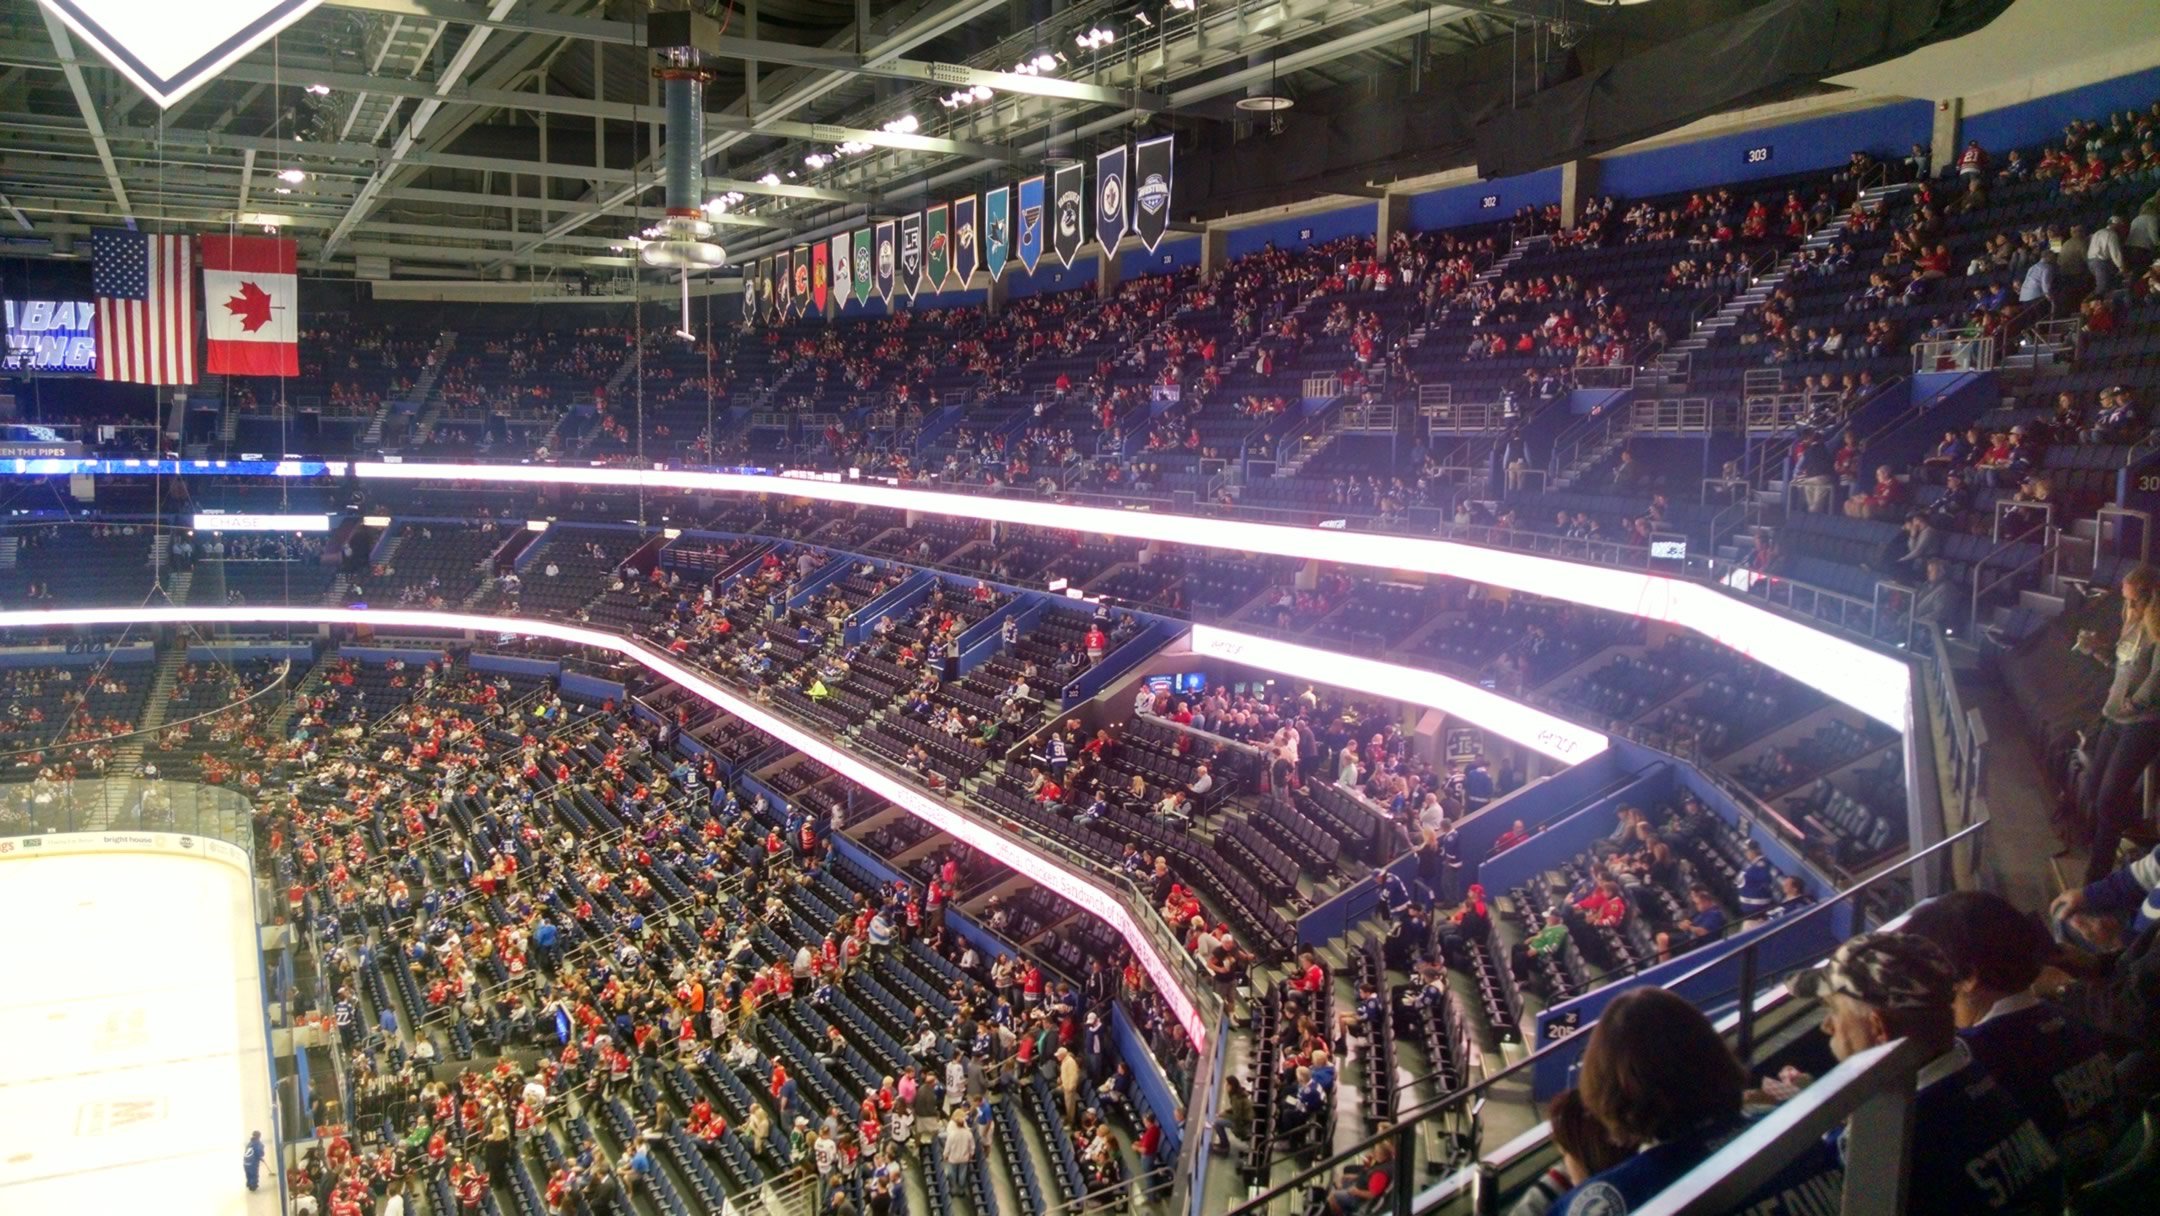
<point>843,269</point>
<point>1110,198</point>
<point>1151,190</point>
<point>1031,223</point>
<point>1068,190</point>
<point>887,261</point>
<point>784,303</point>
<point>937,249</point>
<point>997,230</point>
<point>911,259</point>
<point>865,266</point>
<point>967,248</point>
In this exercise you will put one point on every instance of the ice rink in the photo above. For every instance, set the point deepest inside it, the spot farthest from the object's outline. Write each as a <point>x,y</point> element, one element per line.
<point>133,1016</point>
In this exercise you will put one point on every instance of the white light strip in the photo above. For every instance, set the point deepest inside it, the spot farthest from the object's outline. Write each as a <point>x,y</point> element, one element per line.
<point>1533,728</point>
<point>1875,684</point>
<point>1082,890</point>
<point>247,522</point>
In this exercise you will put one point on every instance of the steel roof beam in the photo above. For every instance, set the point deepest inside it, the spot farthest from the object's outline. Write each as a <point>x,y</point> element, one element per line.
<point>92,121</point>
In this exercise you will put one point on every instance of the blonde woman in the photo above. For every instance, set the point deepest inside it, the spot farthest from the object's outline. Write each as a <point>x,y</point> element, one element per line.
<point>2128,740</point>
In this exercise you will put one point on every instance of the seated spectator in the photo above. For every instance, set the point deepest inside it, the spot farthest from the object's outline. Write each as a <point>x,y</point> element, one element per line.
<point>1585,1149</point>
<point>1884,500</point>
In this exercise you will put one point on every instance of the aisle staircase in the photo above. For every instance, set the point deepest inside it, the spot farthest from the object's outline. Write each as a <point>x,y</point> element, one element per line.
<point>128,755</point>
<point>423,391</point>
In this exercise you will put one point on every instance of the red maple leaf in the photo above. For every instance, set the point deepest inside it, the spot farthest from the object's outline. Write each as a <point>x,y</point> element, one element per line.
<point>252,306</point>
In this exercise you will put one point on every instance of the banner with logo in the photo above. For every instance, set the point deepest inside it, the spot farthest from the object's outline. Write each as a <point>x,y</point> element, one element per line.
<point>802,279</point>
<point>1110,198</point>
<point>843,269</point>
<point>967,253</point>
<point>1031,223</point>
<point>911,254</point>
<point>937,255</point>
<point>1151,176</point>
<point>784,276</point>
<point>997,230</point>
<point>820,287</point>
<point>865,266</point>
<point>753,281</point>
<point>1069,194</point>
<point>888,261</point>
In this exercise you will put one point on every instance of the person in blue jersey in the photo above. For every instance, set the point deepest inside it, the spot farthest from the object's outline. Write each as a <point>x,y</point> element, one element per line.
<point>1757,890</point>
<point>2115,923</point>
<point>1660,1079</point>
<point>1973,1150</point>
<point>2057,1068</point>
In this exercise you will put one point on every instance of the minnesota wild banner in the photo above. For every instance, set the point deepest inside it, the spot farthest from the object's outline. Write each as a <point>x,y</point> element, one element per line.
<point>843,272</point>
<point>784,303</point>
<point>1031,222</point>
<point>865,266</point>
<point>997,230</point>
<point>1069,192</point>
<point>911,259</point>
<point>819,269</point>
<point>1151,190</point>
<point>937,256</point>
<point>1110,198</point>
<point>887,261</point>
<point>967,251</point>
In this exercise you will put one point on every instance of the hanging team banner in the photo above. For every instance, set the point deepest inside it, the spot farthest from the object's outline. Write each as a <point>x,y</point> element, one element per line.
<point>1069,196</point>
<point>1031,223</point>
<point>1110,198</point>
<point>820,268</point>
<point>911,254</point>
<point>784,276</point>
<point>802,279</point>
<point>753,278</point>
<point>937,248</point>
<point>865,266</point>
<point>888,261</point>
<point>997,230</point>
<point>843,269</point>
<point>967,251</point>
<point>1151,190</point>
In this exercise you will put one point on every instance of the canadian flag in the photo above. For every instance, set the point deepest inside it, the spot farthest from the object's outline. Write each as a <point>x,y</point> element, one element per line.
<point>251,302</point>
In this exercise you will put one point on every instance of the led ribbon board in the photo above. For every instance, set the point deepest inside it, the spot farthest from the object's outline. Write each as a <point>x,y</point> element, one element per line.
<point>245,522</point>
<point>1084,892</point>
<point>1875,684</point>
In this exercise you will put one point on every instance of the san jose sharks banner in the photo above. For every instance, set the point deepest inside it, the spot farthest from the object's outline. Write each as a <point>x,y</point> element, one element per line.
<point>937,249</point>
<point>888,261</point>
<point>1110,198</point>
<point>784,302</point>
<point>802,279</point>
<point>1031,223</point>
<point>843,269</point>
<point>1068,193</point>
<point>865,266</point>
<point>1151,177</point>
<point>911,254</point>
<point>819,269</point>
<point>997,230</point>
<point>967,248</point>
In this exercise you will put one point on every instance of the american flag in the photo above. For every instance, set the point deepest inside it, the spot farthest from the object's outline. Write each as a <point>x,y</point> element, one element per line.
<point>145,290</point>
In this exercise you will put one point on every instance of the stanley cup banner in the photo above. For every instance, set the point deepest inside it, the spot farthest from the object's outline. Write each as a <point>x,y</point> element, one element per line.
<point>1151,190</point>
<point>865,266</point>
<point>843,272</point>
<point>997,230</point>
<point>911,254</point>
<point>967,250</point>
<point>1031,223</point>
<point>1068,192</point>
<point>937,251</point>
<point>784,303</point>
<point>819,269</point>
<point>1110,198</point>
<point>802,279</point>
<point>888,264</point>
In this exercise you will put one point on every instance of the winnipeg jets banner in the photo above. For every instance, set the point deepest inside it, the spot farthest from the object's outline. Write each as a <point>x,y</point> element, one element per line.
<point>843,269</point>
<point>887,261</point>
<point>997,230</point>
<point>911,254</point>
<point>1151,190</point>
<point>937,253</point>
<point>1031,223</point>
<point>784,302</point>
<point>967,250</point>
<point>865,266</point>
<point>1110,198</point>
<point>1069,193</point>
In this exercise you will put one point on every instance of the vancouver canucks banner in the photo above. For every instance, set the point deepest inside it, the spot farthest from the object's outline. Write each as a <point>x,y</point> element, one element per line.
<point>937,253</point>
<point>1110,198</point>
<point>784,302</point>
<point>1031,223</point>
<point>911,259</point>
<point>1151,190</point>
<point>865,266</point>
<point>967,252</point>
<point>819,268</point>
<point>1068,190</point>
<point>802,279</point>
<point>887,261</point>
<point>997,230</point>
<point>843,270</point>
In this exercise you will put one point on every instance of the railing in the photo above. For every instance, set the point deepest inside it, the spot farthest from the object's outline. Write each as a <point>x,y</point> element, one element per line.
<point>1675,416</point>
<point>1460,416</point>
<point>1963,353</point>
<point>1430,396</point>
<point>1983,582</point>
<point>128,804</point>
<point>1966,732</point>
<point>1318,388</point>
<point>1616,375</point>
<point>1781,413</point>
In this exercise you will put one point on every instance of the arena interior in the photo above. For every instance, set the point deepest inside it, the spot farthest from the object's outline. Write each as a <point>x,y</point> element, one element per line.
<point>1041,607</point>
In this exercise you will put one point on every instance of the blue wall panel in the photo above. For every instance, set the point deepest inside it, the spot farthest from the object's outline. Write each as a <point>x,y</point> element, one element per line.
<point>1299,231</point>
<point>1814,143</point>
<point>1049,277</point>
<point>1168,256</point>
<point>2042,119</point>
<point>1457,206</point>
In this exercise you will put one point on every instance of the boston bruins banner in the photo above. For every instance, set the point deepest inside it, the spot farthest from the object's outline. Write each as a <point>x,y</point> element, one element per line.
<point>1110,198</point>
<point>937,251</point>
<point>888,263</point>
<point>911,254</point>
<point>967,252</point>
<point>1151,176</point>
<point>1031,223</point>
<point>1068,191</point>
<point>997,230</point>
<point>784,303</point>
<point>865,266</point>
<point>843,269</point>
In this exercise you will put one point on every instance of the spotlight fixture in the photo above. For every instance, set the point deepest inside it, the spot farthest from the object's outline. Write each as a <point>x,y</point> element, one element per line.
<point>1094,39</point>
<point>292,176</point>
<point>770,179</point>
<point>319,90</point>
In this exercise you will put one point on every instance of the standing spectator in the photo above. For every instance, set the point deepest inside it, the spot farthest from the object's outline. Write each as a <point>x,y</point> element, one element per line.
<point>251,1159</point>
<point>2129,736</point>
<point>2104,258</point>
<point>957,1145</point>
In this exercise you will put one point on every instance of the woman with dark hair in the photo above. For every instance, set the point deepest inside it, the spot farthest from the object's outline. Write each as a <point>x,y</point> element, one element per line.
<point>1585,1150</point>
<point>2128,740</point>
<point>1660,1080</point>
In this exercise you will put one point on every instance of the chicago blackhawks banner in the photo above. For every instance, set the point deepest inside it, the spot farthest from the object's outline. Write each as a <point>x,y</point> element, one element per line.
<point>1069,194</point>
<point>1151,190</point>
<point>1110,198</point>
<point>819,269</point>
